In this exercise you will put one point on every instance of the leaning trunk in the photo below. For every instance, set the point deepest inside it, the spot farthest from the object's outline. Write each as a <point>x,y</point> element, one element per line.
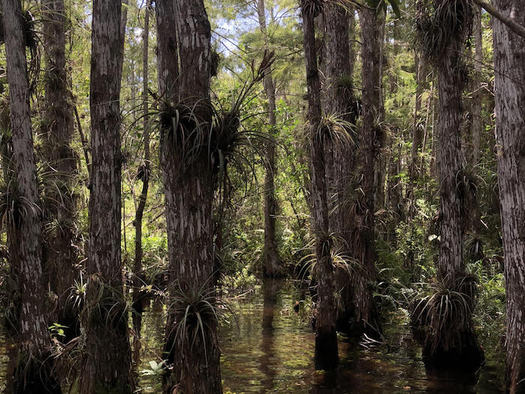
<point>33,371</point>
<point>108,355</point>
<point>509,52</point>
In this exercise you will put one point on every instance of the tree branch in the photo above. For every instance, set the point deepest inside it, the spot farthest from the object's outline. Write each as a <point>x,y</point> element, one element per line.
<point>515,27</point>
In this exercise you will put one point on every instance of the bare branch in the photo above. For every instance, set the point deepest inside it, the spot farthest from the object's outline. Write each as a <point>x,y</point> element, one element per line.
<point>515,27</point>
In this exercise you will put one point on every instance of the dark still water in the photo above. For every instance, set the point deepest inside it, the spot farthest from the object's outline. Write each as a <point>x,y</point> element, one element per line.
<point>268,347</point>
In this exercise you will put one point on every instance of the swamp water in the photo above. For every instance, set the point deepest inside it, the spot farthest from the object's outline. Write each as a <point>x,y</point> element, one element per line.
<point>268,347</point>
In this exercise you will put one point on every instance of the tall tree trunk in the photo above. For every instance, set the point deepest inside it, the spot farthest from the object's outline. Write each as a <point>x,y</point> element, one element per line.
<point>369,139</point>
<point>449,160</point>
<point>60,255</point>
<point>143,174</point>
<point>189,187</point>
<point>393,155</point>
<point>33,371</point>
<point>450,341</point>
<point>340,103</point>
<point>272,260</point>
<point>381,156</point>
<point>417,134</point>
<point>476,131</point>
<point>509,52</point>
<point>477,121</point>
<point>326,352</point>
<point>108,355</point>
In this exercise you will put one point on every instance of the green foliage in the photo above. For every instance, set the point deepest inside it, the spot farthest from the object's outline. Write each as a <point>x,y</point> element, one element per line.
<point>155,368</point>
<point>57,330</point>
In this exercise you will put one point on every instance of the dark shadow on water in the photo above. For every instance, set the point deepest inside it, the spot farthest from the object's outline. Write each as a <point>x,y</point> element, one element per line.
<point>268,364</point>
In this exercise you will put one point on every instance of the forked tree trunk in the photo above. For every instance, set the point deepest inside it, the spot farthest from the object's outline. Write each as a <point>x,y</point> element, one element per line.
<point>189,182</point>
<point>107,366</point>
<point>326,351</point>
<point>509,52</point>
<point>33,371</point>
<point>60,160</point>
<point>272,261</point>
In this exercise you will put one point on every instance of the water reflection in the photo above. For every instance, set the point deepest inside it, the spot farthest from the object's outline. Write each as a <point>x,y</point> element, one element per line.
<point>271,350</point>
<point>268,362</point>
<point>269,347</point>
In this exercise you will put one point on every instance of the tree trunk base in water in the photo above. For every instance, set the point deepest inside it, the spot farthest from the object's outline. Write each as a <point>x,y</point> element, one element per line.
<point>466,358</point>
<point>348,324</point>
<point>326,351</point>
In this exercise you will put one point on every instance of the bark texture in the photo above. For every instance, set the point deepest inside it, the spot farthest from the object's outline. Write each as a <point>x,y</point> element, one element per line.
<point>33,372</point>
<point>272,260</point>
<point>369,140</point>
<point>449,160</point>
<point>326,352</point>
<point>60,160</point>
<point>107,366</point>
<point>509,55</point>
<point>189,182</point>
<point>450,341</point>
<point>477,96</point>
<point>340,104</point>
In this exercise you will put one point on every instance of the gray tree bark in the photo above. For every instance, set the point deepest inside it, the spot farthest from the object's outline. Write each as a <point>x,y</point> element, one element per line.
<point>60,255</point>
<point>454,345</point>
<point>340,102</point>
<point>326,351</point>
<point>509,52</point>
<point>34,368</point>
<point>370,140</point>
<point>107,365</point>
<point>189,182</point>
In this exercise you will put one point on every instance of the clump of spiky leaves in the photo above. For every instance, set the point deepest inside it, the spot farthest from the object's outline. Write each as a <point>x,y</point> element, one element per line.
<point>195,313</point>
<point>217,137</point>
<point>229,142</point>
<point>341,260</point>
<point>312,7</point>
<point>444,316</point>
<point>440,23</point>
<point>13,206</point>
<point>104,305</point>
<point>336,129</point>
